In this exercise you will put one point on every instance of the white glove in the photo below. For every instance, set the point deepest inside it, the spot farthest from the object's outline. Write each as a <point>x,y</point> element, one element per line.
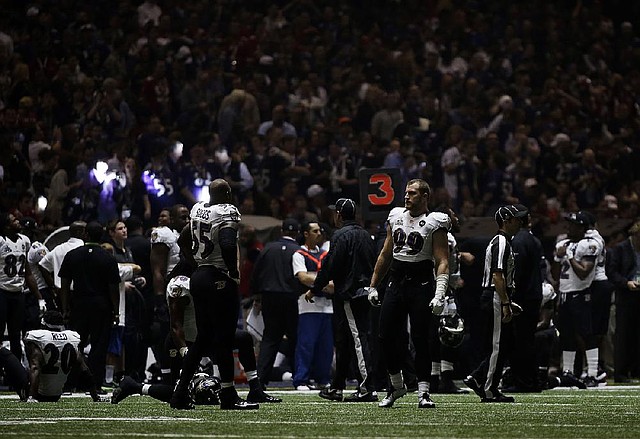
<point>373,296</point>
<point>42,305</point>
<point>437,305</point>
<point>569,253</point>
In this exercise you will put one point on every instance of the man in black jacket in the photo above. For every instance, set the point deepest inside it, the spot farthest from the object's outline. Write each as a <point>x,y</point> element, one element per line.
<point>279,291</point>
<point>349,264</point>
<point>623,270</point>
<point>529,260</point>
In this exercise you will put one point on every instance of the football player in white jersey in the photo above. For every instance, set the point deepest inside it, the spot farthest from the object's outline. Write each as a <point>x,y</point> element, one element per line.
<point>165,255</point>
<point>15,273</point>
<point>417,253</point>
<point>52,353</point>
<point>211,243</point>
<point>575,258</point>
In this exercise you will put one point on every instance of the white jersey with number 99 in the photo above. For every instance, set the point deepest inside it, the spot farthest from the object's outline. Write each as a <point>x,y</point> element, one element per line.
<point>412,237</point>
<point>206,222</point>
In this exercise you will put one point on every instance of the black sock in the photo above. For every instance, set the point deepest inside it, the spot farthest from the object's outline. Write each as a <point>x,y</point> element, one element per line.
<point>255,385</point>
<point>447,375</point>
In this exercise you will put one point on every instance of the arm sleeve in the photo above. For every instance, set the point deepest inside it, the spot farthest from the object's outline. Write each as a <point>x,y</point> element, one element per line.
<point>228,248</point>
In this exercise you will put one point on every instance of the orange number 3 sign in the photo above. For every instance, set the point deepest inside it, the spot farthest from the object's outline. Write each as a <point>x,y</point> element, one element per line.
<point>385,192</point>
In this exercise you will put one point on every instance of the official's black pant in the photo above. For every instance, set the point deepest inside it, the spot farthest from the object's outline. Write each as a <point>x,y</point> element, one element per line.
<point>91,317</point>
<point>402,300</point>
<point>524,368</point>
<point>280,315</point>
<point>12,306</point>
<point>498,345</point>
<point>351,339</point>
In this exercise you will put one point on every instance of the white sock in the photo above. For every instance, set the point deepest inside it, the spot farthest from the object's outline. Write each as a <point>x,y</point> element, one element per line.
<point>592,362</point>
<point>397,381</point>
<point>108,374</point>
<point>435,368</point>
<point>446,366</point>
<point>145,389</point>
<point>568,360</point>
<point>423,387</point>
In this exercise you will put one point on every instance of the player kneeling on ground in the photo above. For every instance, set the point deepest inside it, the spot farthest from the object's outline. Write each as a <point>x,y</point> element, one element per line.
<point>53,353</point>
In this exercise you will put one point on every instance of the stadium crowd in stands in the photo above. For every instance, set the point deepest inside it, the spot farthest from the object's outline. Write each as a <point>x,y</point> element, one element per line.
<point>118,109</point>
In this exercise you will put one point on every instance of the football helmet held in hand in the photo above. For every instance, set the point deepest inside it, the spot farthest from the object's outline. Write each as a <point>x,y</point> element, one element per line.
<point>451,330</point>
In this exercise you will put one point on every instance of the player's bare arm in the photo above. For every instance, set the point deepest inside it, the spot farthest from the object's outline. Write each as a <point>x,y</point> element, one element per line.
<point>384,260</point>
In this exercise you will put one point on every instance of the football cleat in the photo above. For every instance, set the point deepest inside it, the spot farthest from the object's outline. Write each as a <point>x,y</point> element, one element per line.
<point>471,383</point>
<point>331,394</point>
<point>127,387</point>
<point>261,396</point>
<point>499,398</point>
<point>392,396</point>
<point>362,397</point>
<point>425,402</point>
<point>447,386</point>
<point>590,381</point>
<point>567,379</point>
<point>238,404</point>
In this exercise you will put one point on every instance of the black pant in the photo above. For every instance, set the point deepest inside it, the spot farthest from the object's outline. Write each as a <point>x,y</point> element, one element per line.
<point>91,317</point>
<point>627,337</point>
<point>351,339</point>
<point>280,314</point>
<point>216,302</point>
<point>524,367</point>
<point>12,305</point>
<point>402,300</point>
<point>497,346</point>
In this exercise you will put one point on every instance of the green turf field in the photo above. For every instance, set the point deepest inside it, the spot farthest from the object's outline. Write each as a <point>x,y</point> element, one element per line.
<point>610,413</point>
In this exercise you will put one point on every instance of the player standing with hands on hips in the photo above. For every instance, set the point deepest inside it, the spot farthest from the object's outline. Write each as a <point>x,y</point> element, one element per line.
<point>415,249</point>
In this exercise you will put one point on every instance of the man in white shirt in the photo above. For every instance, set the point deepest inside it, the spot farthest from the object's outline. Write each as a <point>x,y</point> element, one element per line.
<point>50,264</point>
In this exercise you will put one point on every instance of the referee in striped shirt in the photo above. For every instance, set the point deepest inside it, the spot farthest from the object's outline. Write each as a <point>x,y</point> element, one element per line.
<point>496,306</point>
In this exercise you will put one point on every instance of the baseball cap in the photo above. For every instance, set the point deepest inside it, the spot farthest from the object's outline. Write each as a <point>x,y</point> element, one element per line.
<point>291,225</point>
<point>581,218</point>
<point>345,207</point>
<point>505,213</point>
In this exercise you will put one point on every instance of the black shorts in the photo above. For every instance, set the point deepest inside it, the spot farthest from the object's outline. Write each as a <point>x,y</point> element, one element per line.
<point>574,315</point>
<point>600,306</point>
